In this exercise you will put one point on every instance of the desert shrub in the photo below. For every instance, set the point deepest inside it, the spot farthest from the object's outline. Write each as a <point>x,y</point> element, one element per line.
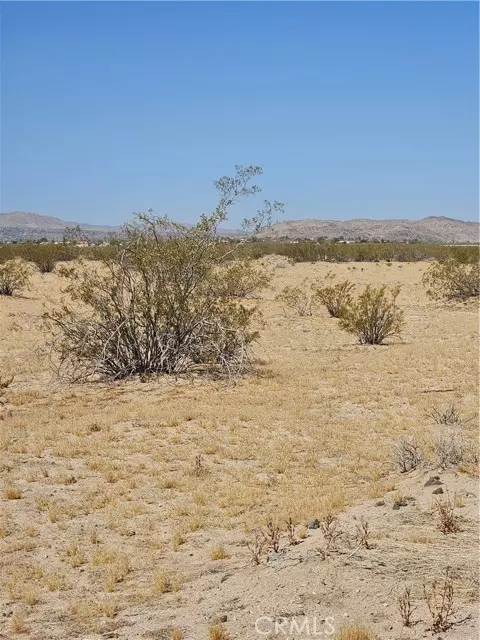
<point>448,521</point>
<point>14,276</point>
<point>449,415</point>
<point>335,297</point>
<point>243,278</point>
<point>304,251</point>
<point>452,279</point>
<point>405,606</point>
<point>439,596</point>
<point>298,300</point>
<point>45,257</point>
<point>161,304</point>
<point>407,454</point>
<point>451,448</point>
<point>374,315</point>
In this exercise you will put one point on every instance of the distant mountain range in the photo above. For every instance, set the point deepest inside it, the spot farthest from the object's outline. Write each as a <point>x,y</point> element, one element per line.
<point>21,225</point>
<point>432,229</point>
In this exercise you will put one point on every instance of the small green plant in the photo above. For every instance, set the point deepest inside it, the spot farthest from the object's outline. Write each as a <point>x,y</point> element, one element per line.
<point>14,276</point>
<point>452,279</point>
<point>335,297</point>
<point>374,315</point>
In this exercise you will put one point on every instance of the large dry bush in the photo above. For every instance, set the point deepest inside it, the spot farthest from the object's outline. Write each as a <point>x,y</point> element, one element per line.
<point>452,279</point>
<point>163,303</point>
<point>374,315</point>
<point>14,276</point>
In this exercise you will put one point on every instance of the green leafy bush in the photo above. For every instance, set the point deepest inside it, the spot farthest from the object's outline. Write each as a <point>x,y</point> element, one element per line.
<point>452,280</point>
<point>374,315</point>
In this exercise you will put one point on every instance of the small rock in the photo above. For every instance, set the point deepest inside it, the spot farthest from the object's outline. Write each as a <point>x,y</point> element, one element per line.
<point>399,503</point>
<point>313,524</point>
<point>432,481</point>
<point>437,491</point>
<point>220,619</point>
<point>380,503</point>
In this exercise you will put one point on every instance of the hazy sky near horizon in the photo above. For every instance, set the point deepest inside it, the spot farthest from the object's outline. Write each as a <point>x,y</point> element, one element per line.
<point>353,109</point>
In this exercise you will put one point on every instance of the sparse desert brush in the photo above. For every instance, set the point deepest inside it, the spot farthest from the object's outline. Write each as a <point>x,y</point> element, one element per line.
<point>11,492</point>
<point>31,595</point>
<point>218,632</point>
<point>159,305</point>
<point>108,608</point>
<point>355,631</point>
<point>74,554</point>
<point>165,582</point>
<point>448,521</point>
<point>297,300</point>
<point>14,276</point>
<point>407,454</point>
<point>117,572</point>
<point>405,606</point>
<point>452,279</point>
<point>452,448</point>
<point>177,540</point>
<point>449,415</point>
<point>18,622</point>
<point>335,297</point>
<point>244,278</point>
<point>257,545</point>
<point>374,315</point>
<point>219,552</point>
<point>439,596</point>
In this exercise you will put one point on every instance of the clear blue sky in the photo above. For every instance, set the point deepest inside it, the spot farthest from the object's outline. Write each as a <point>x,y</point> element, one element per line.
<point>352,109</point>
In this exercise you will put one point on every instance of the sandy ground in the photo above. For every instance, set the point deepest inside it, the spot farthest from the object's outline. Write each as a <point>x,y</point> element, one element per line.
<point>129,510</point>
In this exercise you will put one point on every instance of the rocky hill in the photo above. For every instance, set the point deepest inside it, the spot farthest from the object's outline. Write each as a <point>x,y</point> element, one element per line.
<point>22,225</point>
<point>432,229</point>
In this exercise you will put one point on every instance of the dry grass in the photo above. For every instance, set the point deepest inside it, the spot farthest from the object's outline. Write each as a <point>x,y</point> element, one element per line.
<point>162,470</point>
<point>355,631</point>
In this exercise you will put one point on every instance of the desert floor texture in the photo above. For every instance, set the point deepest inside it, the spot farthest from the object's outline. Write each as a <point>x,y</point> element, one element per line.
<point>129,510</point>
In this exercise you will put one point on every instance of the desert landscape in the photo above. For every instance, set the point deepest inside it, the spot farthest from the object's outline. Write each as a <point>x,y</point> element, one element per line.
<point>239,320</point>
<point>185,507</point>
